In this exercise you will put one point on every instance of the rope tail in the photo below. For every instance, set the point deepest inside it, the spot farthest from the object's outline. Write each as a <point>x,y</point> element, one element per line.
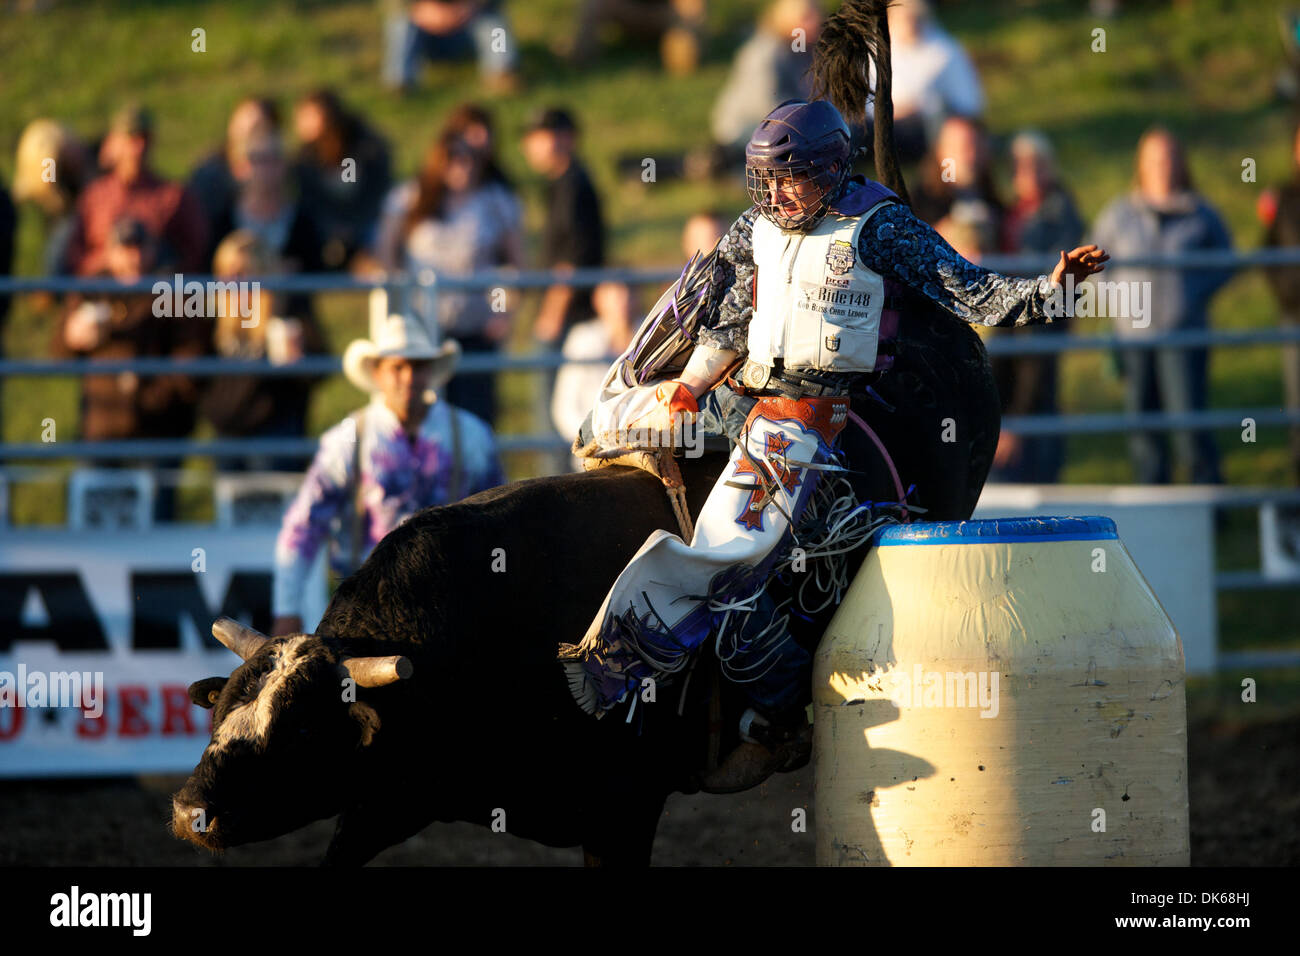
<point>856,35</point>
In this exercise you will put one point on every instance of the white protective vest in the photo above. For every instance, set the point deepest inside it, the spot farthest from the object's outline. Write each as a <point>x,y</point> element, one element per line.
<point>816,306</point>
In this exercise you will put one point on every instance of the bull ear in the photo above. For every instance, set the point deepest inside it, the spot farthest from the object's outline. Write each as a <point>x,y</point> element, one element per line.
<point>205,692</point>
<point>368,718</point>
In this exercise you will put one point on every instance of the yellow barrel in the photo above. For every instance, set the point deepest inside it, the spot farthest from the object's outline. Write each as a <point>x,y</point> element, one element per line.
<point>1000,693</point>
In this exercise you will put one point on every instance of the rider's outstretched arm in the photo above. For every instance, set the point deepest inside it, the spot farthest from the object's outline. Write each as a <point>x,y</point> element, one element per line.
<point>900,246</point>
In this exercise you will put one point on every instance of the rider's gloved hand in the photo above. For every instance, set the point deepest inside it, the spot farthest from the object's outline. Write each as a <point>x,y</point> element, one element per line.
<point>661,416</point>
<point>677,398</point>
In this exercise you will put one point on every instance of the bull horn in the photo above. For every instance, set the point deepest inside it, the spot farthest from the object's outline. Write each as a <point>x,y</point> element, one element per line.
<point>377,671</point>
<point>244,641</point>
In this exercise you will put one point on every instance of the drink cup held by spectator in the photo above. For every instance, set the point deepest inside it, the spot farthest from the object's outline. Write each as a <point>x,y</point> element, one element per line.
<point>284,341</point>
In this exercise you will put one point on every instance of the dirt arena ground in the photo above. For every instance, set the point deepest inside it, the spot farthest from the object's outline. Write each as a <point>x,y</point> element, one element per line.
<point>1244,790</point>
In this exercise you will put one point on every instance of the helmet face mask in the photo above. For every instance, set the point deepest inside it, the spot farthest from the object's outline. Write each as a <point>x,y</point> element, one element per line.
<point>793,196</point>
<point>796,162</point>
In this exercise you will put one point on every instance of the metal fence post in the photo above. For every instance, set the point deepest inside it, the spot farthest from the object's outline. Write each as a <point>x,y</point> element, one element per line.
<point>428,284</point>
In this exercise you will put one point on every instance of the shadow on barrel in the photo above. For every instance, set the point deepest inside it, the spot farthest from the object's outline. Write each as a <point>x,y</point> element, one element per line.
<point>888,768</point>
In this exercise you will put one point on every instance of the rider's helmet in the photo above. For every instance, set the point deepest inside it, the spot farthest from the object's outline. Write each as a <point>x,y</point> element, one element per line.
<point>796,162</point>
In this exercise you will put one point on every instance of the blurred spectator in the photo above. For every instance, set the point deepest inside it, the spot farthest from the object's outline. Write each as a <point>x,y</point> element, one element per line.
<point>457,218</point>
<point>407,449</point>
<point>574,234</point>
<point>702,232</point>
<point>1280,212</point>
<point>52,169</point>
<point>933,78</point>
<point>1042,219</point>
<point>675,24</point>
<point>968,230</point>
<point>215,181</point>
<point>343,173</point>
<point>438,30</point>
<point>1164,215</point>
<point>958,171</point>
<point>767,70</point>
<point>264,207</point>
<point>126,405</point>
<point>604,337</point>
<point>473,123</point>
<point>168,212</point>
<point>250,405</point>
<point>1043,216</point>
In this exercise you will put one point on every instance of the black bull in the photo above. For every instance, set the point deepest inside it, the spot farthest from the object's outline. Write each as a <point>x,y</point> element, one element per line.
<point>485,729</point>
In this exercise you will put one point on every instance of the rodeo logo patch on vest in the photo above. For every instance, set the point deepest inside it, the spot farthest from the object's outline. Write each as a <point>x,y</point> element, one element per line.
<point>839,258</point>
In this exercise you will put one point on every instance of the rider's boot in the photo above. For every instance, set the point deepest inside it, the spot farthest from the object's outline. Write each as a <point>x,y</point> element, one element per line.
<point>776,742</point>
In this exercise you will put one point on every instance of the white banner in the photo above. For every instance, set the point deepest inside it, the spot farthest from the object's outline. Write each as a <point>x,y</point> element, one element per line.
<point>121,621</point>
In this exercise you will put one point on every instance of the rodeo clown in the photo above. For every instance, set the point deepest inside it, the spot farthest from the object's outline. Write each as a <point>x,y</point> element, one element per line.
<point>800,280</point>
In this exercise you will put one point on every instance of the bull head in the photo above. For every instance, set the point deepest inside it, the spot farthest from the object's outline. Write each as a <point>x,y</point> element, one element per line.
<point>280,729</point>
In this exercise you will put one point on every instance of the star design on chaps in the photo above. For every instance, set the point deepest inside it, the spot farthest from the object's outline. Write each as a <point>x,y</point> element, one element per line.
<point>775,446</point>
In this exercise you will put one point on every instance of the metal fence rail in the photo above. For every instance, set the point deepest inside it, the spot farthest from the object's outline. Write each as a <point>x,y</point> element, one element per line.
<point>428,286</point>
<point>1233,260</point>
<point>479,364</point>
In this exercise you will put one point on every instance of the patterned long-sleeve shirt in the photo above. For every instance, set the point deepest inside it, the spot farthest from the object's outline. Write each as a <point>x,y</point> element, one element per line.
<point>898,246</point>
<point>398,478</point>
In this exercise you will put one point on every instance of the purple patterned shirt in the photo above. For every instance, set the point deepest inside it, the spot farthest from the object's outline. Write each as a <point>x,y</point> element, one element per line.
<point>398,478</point>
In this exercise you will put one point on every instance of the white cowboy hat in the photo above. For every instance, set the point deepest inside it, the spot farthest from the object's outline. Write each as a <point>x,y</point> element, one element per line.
<point>398,336</point>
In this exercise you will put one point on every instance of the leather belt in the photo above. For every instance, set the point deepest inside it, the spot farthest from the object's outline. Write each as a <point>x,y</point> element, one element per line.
<point>775,380</point>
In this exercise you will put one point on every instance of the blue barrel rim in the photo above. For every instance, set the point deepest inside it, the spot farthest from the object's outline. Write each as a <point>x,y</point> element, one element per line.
<point>991,530</point>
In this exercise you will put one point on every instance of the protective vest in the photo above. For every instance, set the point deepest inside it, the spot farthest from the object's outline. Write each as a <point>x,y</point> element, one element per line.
<point>816,306</point>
